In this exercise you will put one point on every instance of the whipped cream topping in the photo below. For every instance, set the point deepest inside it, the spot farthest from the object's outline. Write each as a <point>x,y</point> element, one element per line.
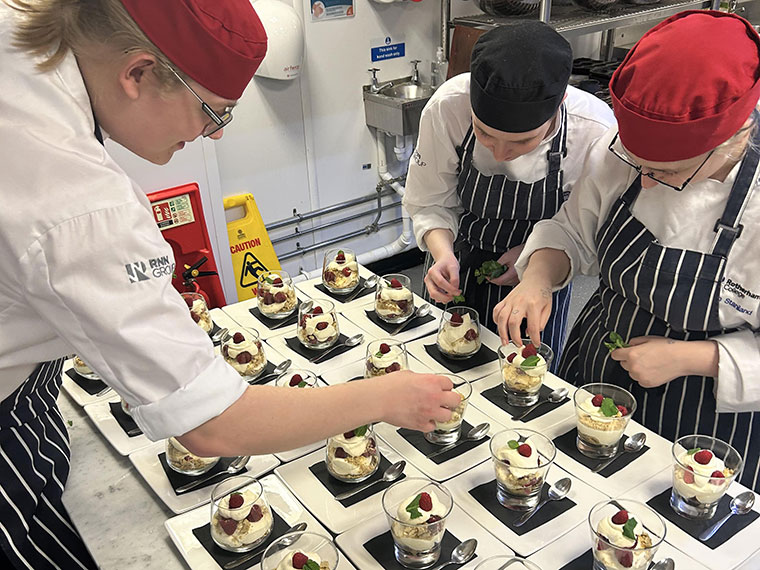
<point>588,406</point>
<point>247,345</point>
<point>451,337</point>
<point>355,446</point>
<point>350,262</point>
<point>537,370</point>
<point>614,532</point>
<point>391,294</point>
<point>516,460</point>
<point>287,562</point>
<point>384,360</point>
<point>249,499</point>
<point>310,327</point>
<point>406,517</point>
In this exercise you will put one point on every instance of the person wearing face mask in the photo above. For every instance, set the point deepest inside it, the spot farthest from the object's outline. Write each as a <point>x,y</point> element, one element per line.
<point>152,75</point>
<point>499,149</point>
<point>665,213</point>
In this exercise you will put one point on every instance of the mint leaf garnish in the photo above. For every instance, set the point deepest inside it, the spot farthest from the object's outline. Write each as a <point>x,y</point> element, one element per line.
<point>513,444</point>
<point>628,528</point>
<point>311,565</point>
<point>489,269</point>
<point>301,384</point>
<point>530,362</point>
<point>609,408</point>
<point>360,431</point>
<point>693,451</point>
<point>413,508</point>
<point>616,341</point>
<point>458,299</point>
<point>269,280</point>
<point>378,354</point>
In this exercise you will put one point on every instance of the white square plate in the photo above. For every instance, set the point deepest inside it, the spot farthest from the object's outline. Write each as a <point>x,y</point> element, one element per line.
<point>309,289</point>
<point>417,349</point>
<point>147,463</point>
<point>181,527</point>
<point>450,467</point>
<point>357,369</point>
<point>581,494</point>
<point>221,319</point>
<point>80,396</point>
<point>359,316</point>
<point>458,524</point>
<point>101,416</point>
<point>240,313</point>
<point>320,501</point>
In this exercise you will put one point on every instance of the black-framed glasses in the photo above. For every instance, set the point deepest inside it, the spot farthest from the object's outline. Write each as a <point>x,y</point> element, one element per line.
<point>218,121</point>
<point>638,168</point>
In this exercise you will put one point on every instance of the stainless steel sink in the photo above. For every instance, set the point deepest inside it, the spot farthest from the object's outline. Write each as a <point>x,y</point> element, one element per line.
<point>396,108</point>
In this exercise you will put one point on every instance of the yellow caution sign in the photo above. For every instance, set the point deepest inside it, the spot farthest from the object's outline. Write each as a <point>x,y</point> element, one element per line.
<point>251,249</point>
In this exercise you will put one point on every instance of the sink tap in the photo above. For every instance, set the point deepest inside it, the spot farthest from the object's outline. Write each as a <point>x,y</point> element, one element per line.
<point>415,72</point>
<point>375,87</point>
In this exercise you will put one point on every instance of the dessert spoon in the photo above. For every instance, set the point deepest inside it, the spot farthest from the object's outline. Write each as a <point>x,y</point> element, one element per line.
<point>391,474</point>
<point>284,542</point>
<point>369,283</point>
<point>475,434</point>
<point>422,311</point>
<point>555,397</point>
<point>279,369</point>
<point>462,554</point>
<point>664,564</point>
<point>557,492</point>
<point>350,341</point>
<point>741,504</point>
<point>633,444</point>
<point>218,336</point>
<point>236,466</point>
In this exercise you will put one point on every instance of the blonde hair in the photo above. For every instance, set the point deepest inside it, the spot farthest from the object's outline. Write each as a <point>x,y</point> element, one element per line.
<point>50,29</point>
<point>742,140</point>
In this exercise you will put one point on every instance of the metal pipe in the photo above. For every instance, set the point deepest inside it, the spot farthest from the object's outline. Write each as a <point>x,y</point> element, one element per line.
<point>607,47</point>
<point>445,19</point>
<point>357,233</point>
<point>545,10</point>
<point>326,210</point>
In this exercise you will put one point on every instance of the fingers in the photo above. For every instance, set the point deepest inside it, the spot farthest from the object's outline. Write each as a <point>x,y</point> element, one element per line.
<point>639,340</point>
<point>436,281</point>
<point>451,273</point>
<point>621,355</point>
<point>515,320</point>
<point>441,415</point>
<point>445,383</point>
<point>508,278</point>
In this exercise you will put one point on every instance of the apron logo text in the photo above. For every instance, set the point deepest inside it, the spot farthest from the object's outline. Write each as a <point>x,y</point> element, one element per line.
<point>735,288</point>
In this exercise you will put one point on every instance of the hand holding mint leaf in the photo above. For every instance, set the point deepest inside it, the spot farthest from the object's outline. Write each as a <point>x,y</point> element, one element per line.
<point>616,341</point>
<point>489,270</point>
<point>458,299</point>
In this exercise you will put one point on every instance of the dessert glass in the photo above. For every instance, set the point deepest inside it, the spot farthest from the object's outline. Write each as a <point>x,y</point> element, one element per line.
<point>83,369</point>
<point>296,378</point>
<point>353,456</point>
<point>522,382</point>
<point>340,272</point>
<point>384,356</point>
<point>276,295</point>
<point>198,310</point>
<point>504,561</point>
<point>241,518</point>
<point>318,326</point>
<point>416,545</point>
<point>394,304</point>
<point>614,552</point>
<point>697,486</point>
<point>243,350</point>
<point>319,548</point>
<point>125,407</point>
<point>460,337</point>
<point>451,431</point>
<point>181,460</point>
<point>520,476</point>
<point>598,434</point>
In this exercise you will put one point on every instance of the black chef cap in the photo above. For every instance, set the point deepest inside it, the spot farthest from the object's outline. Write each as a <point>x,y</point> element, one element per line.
<point>519,75</point>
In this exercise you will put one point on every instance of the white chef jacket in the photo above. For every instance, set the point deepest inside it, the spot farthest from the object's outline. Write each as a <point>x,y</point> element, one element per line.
<point>431,184</point>
<point>682,220</point>
<point>71,225</point>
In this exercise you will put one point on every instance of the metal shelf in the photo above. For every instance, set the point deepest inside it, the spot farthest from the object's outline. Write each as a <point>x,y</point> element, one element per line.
<point>572,20</point>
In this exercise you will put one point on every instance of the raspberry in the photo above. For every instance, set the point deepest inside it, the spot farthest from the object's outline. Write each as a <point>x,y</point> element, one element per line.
<point>511,357</point>
<point>426,502</point>
<point>346,271</point>
<point>717,475</point>
<point>340,453</point>
<point>471,334</point>
<point>228,525</point>
<point>403,305</point>
<point>328,276</point>
<point>238,337</point>
<point>625,557</point>
<point>525,450</point>
<point>623,410</point>
<point>597,400</point>
<point>280,297</point>
<point>244,357</point>
<point>295,380</point>
<point>433,518</point>
<point>268,298</point>
<point>299,560</point>
<point>277,282</point>
<point>384,348</point>
<point>349,434</point>
<point>226,351</point>
<point>196,317</point>
<point>316,310</point>
<point>688,476</point>
<point>189,302</point>
<point>396,284</point>
<point>703,457</point>
<point>392,368</point>
<point>236,501</point>
<point>302,322</point>
<point>255,515</point>
<point>340,257</point>
<point>321,326</point>
<point>601,545</point>
<point>455,320</point>
<point>529,350</point>
<point>621,517</point>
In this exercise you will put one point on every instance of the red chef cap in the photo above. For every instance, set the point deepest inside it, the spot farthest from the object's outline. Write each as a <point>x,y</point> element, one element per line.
<point>219,43</point>
<point>687,86</point>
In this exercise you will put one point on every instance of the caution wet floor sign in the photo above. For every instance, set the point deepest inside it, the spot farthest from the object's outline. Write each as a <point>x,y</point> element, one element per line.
<point>250,247</point>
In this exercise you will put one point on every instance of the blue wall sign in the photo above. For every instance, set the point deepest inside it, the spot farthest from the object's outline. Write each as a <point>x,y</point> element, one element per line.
<point>388,51</point>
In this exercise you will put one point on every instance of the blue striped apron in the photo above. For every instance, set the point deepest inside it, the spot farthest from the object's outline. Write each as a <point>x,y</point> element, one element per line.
<point>35,529</point>
<point>499,215</point>
<point>646,288</point>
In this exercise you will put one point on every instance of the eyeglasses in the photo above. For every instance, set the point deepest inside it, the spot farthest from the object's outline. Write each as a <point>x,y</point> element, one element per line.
<point>218,121</point>
<point>638,168</point>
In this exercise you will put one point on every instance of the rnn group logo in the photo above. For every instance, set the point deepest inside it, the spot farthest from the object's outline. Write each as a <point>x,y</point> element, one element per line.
<point>156,267</point>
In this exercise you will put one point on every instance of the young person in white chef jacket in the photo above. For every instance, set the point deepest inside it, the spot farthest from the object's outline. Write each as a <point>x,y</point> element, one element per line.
<point>499,149</point>
<point>71,220</point>
<point>666,213</point>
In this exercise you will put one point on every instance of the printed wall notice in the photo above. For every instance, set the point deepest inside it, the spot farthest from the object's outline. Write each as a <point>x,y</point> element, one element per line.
<point>387,48</point>
<point>331,9</point>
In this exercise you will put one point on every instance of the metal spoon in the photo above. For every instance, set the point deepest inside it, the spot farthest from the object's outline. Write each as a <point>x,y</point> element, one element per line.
<point>369,283</point>
<point>557,492</point>
<point>279,369</point>
<point>741,504</point>
<point>664,564</point>
<point>462,554</point>
<point>234,467</point>
<point>285,542</point>
<point>633,444</point>
<point>391,474</point>
<point>350,341</point>
<point>555,397</point>
<point>475,434</point>
<point>219,334</point>
<point>421,311</point>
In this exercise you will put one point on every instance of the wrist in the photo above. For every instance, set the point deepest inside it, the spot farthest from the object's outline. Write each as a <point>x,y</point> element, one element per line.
<point>440,243</point>
<point>698,357</point>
